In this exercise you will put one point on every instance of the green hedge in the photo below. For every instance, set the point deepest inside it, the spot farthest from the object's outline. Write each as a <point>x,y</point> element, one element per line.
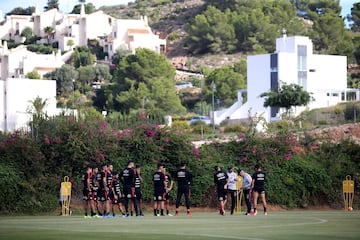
<point>300,173</point>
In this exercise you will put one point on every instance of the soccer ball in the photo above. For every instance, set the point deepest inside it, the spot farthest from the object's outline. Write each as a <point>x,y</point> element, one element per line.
<point>350,208</point>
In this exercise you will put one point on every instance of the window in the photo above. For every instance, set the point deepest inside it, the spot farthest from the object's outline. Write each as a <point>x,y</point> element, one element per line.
<point>302,79</point>
<point>273,62</point>
<point>302,57</point>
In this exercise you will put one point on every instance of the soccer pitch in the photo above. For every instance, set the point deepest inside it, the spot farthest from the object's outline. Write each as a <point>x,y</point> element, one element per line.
<point>277,225</point>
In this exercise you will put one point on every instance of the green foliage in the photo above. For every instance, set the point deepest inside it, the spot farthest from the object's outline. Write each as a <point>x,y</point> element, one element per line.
<point>352,112</point>
<point>227,83</point>
<point>200,128</point>
<point>33,75</point>
<point>40,48</point>
<point>249,25</point>
<point>180,125</point>
<point>89,8</point>
<point>27,32</point>
<point>237,128</point>
<point>65,77</point>
<point>22,11</point>
<point>52,4</point>
<point>144,81</point>
<point>287,96</point>
<point>82,56</point>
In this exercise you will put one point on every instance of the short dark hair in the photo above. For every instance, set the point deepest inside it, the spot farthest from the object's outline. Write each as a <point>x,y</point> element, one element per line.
<point>216,167</point>
<point>137,165</point>
<point>160,165</point>
<point>182,163</point>
<point>257,166</point>
<point>130,161</point>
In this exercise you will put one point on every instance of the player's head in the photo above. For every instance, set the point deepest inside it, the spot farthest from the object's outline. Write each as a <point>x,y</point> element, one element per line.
<point>230,168</point>
<point>88,168</point>
<point>115,175</point>
<point>240,172</point>
<point>137,166</point>
<point>104,167</point>
<point>110,167</point>
<point>257,167</point>
<point>160,166</point>
<point>182,163</point>
<point>216,168</point>
<point>95,169</point>
<point>130,164</point>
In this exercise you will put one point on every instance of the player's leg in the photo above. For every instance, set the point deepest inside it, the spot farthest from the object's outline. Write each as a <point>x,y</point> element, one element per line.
<point>263,200</point>
<point>255,199</point>
<point>178,200</point>
<point>247,200</point>
<point>232,195</point>
<point>187,201</point>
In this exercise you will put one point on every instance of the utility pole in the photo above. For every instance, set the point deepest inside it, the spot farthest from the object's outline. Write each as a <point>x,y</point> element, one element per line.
<point>213,88</point>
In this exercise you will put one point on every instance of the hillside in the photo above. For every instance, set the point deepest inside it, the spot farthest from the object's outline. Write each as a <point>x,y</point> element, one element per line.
<point>169,20</point>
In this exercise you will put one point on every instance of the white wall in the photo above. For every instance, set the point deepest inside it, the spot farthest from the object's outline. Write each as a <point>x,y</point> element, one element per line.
<point>2,105</point>
<point>19,94</point>
<point>258,75</point>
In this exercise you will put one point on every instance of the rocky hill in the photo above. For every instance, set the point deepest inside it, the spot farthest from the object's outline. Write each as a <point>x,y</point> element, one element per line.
<point>169,20</point>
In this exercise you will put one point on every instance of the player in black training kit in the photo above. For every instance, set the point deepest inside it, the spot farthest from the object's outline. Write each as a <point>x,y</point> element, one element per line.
<point>258,188</point>
<point>183,178</point>
<point>86,190</point>
<point>94,188</point>
<point>169,186</point>
<point>159,184</point>
<point>138,193</point>
<point>116,195</point>
<point>108,179</point>
<point>128,180</point>
<point>222,180</point>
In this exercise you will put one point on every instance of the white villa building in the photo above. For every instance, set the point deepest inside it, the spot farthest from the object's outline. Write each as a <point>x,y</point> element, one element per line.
<point>113,33</point>
<point>325,76</point>
<point>16,92</point>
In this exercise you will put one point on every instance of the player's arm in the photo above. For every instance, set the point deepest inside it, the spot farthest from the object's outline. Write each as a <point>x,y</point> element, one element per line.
<point>88,183</point>
<point>227,182</point>
<point>104,182</point>
<point>171,184</point>
<point>252,184</point>
<point>189,177</point>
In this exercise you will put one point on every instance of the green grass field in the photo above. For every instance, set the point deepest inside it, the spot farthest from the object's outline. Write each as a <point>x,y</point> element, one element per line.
<point>277,225</point>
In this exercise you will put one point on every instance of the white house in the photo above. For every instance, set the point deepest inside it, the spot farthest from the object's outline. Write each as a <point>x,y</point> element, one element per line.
<point>17,62</point>
<point>113,33</point>
<point>130,34</point>
<point>325,76</point>
<point>16,95</point>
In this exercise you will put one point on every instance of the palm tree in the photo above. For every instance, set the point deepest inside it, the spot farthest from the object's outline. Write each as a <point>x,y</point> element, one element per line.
<point>50,32</point>
<point>37,111</point>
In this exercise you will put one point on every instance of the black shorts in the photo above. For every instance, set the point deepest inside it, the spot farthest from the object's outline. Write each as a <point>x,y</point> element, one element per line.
<point>102,195</point>
<point>129,192</point>
<point>222,194</point>
<point>138,194</point>
<point>86,194</point>
<point>159,195</point>
<point>259,190</point>
<point>117,200</point>
<point>93,195</point>
<point>167,196</point>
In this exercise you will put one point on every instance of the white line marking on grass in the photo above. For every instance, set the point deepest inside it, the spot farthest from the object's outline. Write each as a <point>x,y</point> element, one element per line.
<point>228,237</point>
<point>319,221</point>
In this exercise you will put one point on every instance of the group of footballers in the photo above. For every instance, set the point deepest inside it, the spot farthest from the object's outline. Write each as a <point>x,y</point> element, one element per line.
<point>252,187</point>
<point>104,190</point>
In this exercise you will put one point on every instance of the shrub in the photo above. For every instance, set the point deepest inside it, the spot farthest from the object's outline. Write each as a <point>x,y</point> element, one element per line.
<point>238,128</point>
<point>352,112</point>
